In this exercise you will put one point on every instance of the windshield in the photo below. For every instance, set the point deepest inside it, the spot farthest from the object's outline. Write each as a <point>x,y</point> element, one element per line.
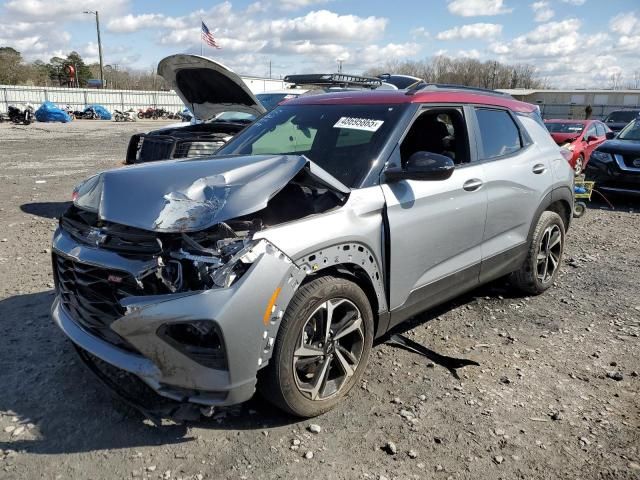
<point>271,100</point>
<point>342,139</point>
<point>631,131</point>
<point>561,127</point>
<point>621,116</point>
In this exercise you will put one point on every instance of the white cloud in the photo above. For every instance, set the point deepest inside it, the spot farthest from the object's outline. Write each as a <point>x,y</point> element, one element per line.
<point>419,33</point>
<point>474,8</point>
<point>63,9</point>
<point>575,2</point>
<point>133,23</point>
<point>625,23</point>
<point>474,30</point>
<point>298,4</point>
<point>542,11</point>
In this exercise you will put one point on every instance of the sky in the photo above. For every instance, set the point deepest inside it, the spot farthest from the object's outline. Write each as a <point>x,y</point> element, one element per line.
<point>572,43</point>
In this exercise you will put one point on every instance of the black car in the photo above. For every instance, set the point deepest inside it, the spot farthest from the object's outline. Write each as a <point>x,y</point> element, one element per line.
<point>619,119</point>
<point>615,165</point>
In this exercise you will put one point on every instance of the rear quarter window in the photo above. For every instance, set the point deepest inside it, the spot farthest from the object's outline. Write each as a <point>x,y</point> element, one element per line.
<point>498,132</point>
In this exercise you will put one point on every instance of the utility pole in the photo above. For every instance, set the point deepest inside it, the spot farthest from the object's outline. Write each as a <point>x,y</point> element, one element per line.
<point>91,12</point>
<point>340,61</point>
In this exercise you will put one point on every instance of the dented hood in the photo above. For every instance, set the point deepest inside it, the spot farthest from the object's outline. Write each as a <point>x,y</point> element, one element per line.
<point>208,88</point>
<point>190,195</point>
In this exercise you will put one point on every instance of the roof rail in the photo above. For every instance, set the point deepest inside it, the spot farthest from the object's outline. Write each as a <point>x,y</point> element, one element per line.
<point>334,80</point>
<point>453,86</point>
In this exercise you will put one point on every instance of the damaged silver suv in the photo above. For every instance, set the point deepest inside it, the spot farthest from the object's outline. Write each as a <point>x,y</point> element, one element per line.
<point>328,221</point>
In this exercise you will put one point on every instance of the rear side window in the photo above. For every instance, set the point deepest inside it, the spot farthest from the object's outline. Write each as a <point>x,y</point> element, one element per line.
<point>499,133</point>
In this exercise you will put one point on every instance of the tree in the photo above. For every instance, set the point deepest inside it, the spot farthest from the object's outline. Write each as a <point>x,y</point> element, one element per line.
<point>465,71</point>
<point>10,66</point>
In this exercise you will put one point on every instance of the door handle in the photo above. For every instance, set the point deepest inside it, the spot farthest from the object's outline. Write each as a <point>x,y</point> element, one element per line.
<point>539,168</point>
<point>472,185</point>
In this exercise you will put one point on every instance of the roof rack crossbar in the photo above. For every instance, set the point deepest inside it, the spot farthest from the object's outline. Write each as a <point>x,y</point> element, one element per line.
<point>453,86</point>
<point>334,80</point>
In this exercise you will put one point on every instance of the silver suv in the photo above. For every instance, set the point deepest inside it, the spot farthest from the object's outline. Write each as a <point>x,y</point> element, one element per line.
<point>325,223</point>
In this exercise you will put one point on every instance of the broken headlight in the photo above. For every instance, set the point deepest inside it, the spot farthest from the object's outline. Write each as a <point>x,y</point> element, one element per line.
<point>217,267</point>
<point>238,264</point>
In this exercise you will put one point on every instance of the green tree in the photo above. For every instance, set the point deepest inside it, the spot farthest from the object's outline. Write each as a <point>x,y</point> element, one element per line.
<point>10,66</point>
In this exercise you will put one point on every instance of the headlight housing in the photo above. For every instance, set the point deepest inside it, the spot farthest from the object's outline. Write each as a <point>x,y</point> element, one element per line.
<point>602,157</point>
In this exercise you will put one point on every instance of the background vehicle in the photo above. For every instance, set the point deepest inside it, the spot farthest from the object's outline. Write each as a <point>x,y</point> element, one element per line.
<point>615,165</point>
<point>580,137</point>
<point>19,116</point>
<point>618,119</point>
<point>209,89</point>
<point>314,230</point>
<point>126,116</point>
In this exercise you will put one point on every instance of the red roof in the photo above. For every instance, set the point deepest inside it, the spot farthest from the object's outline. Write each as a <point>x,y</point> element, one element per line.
<point>400,97</point>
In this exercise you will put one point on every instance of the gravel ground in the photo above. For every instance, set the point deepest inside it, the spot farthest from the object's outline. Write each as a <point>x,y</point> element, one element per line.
<point>556,394</point>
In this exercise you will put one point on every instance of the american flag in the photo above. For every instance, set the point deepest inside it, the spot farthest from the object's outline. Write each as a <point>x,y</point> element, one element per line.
<point>207,36</point>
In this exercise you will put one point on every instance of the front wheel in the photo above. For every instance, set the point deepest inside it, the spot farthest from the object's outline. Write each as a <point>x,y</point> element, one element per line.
<point>322,347</point>
<point>540,268</point>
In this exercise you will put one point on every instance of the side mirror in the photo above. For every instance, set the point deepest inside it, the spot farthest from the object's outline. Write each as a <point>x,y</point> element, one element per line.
<point>422,166</point>
<point>611,135</point>
<point>592,138</point>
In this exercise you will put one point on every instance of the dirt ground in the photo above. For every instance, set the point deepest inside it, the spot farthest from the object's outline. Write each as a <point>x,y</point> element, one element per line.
<point>556,395</point>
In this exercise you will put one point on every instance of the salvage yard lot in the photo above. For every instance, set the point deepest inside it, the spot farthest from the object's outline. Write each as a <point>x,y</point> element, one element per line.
<point>556,395</point>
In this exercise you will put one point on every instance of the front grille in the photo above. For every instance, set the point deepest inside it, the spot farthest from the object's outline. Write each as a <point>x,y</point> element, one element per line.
<point>85,227</point>
<point>188,149</point>
<point>155,148</point>
<point>91,295</point>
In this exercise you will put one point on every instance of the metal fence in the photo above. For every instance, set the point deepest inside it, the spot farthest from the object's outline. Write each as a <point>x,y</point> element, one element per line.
<point>79,98</point>
<point>577,112</point>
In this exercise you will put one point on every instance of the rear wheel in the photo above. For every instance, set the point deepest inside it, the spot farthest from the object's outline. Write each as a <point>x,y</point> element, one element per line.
<point>322,348</point>
<point>540,268</point>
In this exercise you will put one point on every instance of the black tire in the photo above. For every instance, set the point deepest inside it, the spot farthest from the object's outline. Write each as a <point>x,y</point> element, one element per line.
<point>279,380</point>
<point>579,209</point>
<point>527,278</point>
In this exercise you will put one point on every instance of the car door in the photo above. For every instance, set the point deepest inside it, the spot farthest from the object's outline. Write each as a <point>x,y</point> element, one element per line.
<point>434,228</point>
<point>516,179</point>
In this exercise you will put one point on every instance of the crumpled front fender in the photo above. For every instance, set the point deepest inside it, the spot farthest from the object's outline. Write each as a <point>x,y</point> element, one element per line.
<point>247,315</point>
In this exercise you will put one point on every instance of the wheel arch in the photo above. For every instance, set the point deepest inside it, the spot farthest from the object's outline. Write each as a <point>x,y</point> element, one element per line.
<point>560,201</point>
<point>355,262</point>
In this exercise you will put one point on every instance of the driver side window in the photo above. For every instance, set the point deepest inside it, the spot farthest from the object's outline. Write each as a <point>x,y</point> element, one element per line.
<point>439,130</point>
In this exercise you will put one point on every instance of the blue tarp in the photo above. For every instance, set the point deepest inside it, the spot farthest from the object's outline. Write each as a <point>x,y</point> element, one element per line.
<point>102,112</point>
<point>49,112</point>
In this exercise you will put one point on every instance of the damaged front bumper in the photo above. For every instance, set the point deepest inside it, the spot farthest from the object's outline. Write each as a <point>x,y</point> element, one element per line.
<point>238,324</point>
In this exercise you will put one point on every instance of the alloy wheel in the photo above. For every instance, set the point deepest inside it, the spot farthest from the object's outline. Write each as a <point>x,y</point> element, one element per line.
<point>579,165</point>
<point>549,252</point>
<point>330,349</point>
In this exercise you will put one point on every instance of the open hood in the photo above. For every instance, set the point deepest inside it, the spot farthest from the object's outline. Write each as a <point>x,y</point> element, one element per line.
<point>192,195</point>
<point>206,87</point>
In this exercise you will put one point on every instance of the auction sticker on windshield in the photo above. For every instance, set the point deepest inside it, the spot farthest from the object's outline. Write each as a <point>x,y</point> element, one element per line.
<point>367,124</point>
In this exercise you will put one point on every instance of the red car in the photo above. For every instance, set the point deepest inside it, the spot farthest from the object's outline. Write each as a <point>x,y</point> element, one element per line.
<point>581,137</point>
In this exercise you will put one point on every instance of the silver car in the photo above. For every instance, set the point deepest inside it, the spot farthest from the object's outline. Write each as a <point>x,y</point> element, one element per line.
<point>331,219</point>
